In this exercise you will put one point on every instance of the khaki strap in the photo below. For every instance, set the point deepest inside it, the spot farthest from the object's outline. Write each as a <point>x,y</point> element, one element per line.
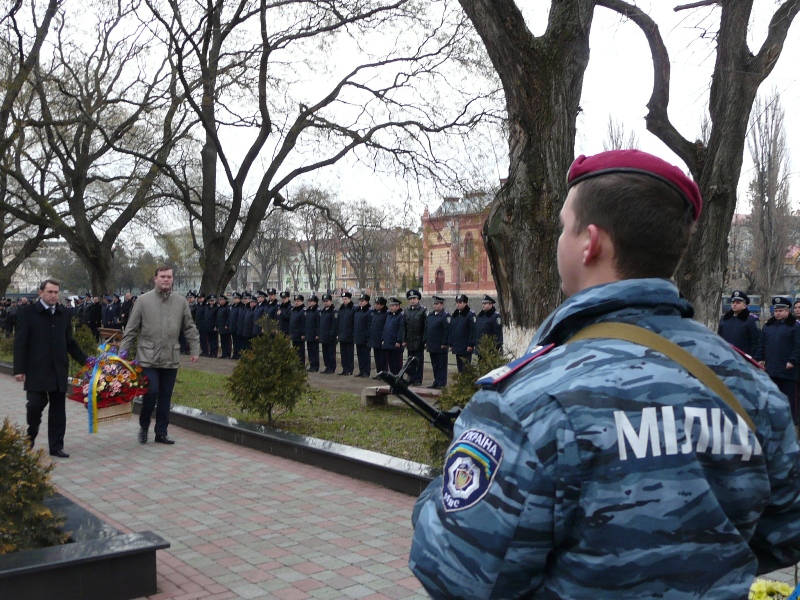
<point>645,337</point>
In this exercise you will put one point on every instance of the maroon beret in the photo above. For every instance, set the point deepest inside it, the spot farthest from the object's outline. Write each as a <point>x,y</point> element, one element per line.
<point>636,161</point>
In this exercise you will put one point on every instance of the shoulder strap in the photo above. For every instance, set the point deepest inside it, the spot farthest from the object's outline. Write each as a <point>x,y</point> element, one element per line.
<point>645,337</point>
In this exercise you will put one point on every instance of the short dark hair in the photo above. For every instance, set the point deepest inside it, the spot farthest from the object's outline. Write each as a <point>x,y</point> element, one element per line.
<point>162,268</point>
<point>649,222</point>
<point>51,281</point>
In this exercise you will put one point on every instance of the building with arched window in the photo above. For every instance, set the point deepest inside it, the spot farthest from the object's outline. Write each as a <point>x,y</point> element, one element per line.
<point>455,259</point>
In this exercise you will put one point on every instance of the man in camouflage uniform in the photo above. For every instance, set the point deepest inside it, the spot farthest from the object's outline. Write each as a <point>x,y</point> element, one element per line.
<point>601,468</point>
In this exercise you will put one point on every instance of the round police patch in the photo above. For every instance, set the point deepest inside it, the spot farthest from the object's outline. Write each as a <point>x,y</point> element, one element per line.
<point>469,470</point>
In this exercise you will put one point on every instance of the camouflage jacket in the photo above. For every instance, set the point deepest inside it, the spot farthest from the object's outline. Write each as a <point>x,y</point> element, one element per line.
<point>603,469</point>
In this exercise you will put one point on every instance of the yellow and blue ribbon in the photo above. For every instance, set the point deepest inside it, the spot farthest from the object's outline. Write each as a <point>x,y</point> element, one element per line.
<point>106,355</point>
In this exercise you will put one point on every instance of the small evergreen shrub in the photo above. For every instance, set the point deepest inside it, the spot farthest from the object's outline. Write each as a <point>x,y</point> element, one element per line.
<point>7,348</point>
<point>461,389</point>
<point>269,374</point>
<point>86,340</point>
<point>25,522</point>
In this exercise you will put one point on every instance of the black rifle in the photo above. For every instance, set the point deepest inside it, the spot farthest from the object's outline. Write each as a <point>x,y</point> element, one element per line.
<point>443,420</point>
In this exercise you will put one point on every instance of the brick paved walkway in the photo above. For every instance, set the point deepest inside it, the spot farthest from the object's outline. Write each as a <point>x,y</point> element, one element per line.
<point>242,524</point>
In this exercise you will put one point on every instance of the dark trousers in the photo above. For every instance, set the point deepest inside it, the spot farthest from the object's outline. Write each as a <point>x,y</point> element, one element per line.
<point>364,361</point>
<point>300,348</point>
<point>395,359</point>
<point>184,343</point>
<point>225,343</point>
<point>203,343</point>
<point>245,343</point>
<point>329,357</point>
<point>439,367</point>
<point>313,356</point>
<point>56,417</point>
<point>346,353</point>
<point>237,345</point>
<point>213,344</point>
<point>415,370</point>
<point>381,360</point>
<point>789,389</point>
<point>160,383</point>
<point>462,360</point>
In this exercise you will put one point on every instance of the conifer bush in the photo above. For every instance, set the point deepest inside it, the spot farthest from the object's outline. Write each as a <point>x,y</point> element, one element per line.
<point>269,374</point>
<point>461,389</point>
<point>86,340</point>
<point>25,522</point>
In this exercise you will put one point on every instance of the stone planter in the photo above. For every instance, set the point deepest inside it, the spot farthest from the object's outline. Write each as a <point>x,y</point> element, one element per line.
<point>99,563</point>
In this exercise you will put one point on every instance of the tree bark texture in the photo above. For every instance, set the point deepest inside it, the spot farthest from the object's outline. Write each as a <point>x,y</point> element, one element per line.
<point>542,79</point>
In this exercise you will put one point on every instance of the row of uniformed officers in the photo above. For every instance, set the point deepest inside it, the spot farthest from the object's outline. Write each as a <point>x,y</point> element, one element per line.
<point>383,332</point>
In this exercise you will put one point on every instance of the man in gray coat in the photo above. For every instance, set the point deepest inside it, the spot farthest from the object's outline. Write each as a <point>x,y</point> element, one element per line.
<point>157,319</point>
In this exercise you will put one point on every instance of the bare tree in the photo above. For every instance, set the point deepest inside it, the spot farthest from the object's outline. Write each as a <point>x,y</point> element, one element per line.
<point>542,78</point>
<point>271,247</point>
<point>99,121</point>
<point>616,138</point>
<point>367,248</point>
<point>769,193</point>
<point>375,105</point>
<point>317,235</point>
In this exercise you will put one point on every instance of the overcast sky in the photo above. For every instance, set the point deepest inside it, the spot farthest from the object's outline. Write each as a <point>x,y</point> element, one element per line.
<point>619,81</point>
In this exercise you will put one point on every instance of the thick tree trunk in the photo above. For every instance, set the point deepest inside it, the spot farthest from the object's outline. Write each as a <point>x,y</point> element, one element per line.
<point>542,78</point>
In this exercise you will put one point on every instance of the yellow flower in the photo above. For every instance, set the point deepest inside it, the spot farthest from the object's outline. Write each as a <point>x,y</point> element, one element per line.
<point>765,589</point>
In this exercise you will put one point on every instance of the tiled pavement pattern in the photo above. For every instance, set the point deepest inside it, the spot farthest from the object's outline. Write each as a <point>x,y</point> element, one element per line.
<point>242,524</point>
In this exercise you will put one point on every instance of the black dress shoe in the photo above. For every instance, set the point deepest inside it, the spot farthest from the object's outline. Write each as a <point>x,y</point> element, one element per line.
<point>433,386</point>
<point>59,454</point>
<point>162,439</point>
<point>416,383</point>
<point>142,435</point>
<point>342,373</point>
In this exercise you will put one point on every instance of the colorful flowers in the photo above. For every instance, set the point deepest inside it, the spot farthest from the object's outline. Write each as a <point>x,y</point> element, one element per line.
<point>110,378</point>
<point>765,589</point>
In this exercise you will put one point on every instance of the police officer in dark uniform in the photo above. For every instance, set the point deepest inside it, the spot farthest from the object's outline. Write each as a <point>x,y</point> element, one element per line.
<point>284,313</point>
<point>362,319</point>
<point>394,335</point>
<point>312,333</point>
<point>415,314</point>
<point>778,350</point>
<point>233,325</point>
<point>488,322</point>
<point>126,311</point>
<point>346,316</point>
<point>199,320</point>
<point>462,332</point>
<point>272,304</point>
<point>375,341</point>
<point>210,325</point>
<point>224,326</point>
<point>297,327</point>
<point>328,327</point>
<point>246,323</point>
<point>737,327</point>
<point>261,308</point>
<point>437,341</point>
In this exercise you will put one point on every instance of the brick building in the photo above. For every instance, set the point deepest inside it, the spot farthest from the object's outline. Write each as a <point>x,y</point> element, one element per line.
<point>454,258</point>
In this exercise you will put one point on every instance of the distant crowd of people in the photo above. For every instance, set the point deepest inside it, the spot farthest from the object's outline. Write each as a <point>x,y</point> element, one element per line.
<point>382,333</point>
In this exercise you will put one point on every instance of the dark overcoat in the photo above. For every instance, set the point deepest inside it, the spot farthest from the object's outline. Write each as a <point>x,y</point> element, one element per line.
<point>41,343</point>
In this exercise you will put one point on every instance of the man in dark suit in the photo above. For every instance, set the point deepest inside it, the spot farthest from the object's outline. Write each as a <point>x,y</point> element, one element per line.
<point>43,338</point>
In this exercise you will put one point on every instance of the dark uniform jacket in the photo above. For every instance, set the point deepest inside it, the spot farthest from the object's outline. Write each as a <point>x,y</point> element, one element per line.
<point>376,327</point>
<point>284,314</point>
<point>462,330</point>
<point>362,319</point>
<point>437,332</point>
<point>41,343</point>
<point>209,323</point>
<point>261,310</point>
<point>327,325</point>
<point>297,323</point>
<point>779,344</point>
<point>394,331</point>
<point>415,327</point>
<point>224,318</point>
<point>246,324</point>
<point>127,307</point>
<point>272,309</point>
<point>93,315</point>
<point>346,317</point>
<point>199,314</point>
<point>488,322</point>
<point>740,330</point>
<point>312,324</point>
<point>233,318</point>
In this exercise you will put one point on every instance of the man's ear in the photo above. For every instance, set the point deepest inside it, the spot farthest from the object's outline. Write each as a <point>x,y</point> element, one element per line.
<point>593,248</point>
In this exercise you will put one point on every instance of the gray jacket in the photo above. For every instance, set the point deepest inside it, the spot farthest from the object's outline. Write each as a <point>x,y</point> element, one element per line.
<point>157,320</point>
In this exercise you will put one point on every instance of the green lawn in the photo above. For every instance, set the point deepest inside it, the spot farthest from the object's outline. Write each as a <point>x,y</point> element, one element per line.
<point>392,430</point>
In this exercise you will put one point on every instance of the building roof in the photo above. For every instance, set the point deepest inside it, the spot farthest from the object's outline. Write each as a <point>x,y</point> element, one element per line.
<point>471,204</point>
